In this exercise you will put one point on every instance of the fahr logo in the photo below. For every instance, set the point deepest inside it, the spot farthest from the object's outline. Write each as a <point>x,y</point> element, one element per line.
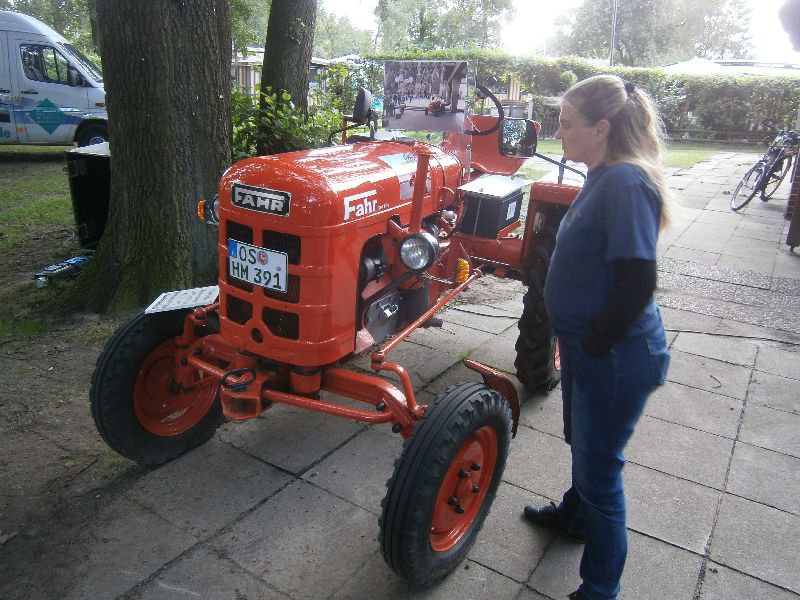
<point>361,204</point>
<point>273,202</point>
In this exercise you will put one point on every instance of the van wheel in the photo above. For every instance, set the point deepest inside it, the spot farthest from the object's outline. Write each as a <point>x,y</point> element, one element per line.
<point>93,134</point>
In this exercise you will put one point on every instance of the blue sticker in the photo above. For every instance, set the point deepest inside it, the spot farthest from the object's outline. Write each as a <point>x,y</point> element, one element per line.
<point>233,248</point>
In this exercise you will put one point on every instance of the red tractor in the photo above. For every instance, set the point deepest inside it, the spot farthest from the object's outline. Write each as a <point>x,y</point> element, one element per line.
<point>328,253</point>
<point>436,107</point>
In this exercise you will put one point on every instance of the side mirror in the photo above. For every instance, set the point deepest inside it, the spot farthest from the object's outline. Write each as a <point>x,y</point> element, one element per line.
<point>362,107</point>
<point>519,137</point>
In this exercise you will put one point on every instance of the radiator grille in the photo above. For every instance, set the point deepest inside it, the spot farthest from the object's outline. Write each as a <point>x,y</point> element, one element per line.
<point>281,323</point>
<point>292,294</point>
<point>283,242</point>
<point>238,310</point>
<point>240,233</point>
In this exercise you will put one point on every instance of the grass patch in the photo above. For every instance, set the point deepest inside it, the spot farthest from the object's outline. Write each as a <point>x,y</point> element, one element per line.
<point>34,199</point>
<point>20,328</point>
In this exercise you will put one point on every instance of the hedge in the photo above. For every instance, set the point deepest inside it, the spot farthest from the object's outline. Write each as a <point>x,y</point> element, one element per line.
<point>721,106</point>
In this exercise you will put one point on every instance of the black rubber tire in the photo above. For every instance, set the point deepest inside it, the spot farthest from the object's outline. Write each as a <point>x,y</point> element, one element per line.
<point>537,364</point>
<point>748,187</point>
<point>96,133</point>
<point>779,171</point>
<point>406,522</point>
<point>112,392</point>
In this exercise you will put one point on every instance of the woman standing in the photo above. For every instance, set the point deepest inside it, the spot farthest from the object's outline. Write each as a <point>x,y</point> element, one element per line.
<point>599,295</point>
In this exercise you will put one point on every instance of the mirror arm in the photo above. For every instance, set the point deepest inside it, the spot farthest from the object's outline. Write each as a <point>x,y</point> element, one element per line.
<point>561,166</point>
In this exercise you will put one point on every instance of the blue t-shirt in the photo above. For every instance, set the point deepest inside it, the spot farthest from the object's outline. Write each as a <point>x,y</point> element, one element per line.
<point>616,215</point>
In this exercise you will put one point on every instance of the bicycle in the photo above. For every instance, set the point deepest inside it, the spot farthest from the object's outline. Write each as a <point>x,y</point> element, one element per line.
<point>770,171</point>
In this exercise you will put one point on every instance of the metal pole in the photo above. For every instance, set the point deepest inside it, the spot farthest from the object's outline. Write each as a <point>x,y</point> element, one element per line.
<point>613,32</point>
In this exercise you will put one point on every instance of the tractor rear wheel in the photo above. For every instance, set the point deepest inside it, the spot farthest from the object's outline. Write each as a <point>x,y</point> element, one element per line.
<point>138,408</point>
<point>538,364</point>
<point>444,482</point>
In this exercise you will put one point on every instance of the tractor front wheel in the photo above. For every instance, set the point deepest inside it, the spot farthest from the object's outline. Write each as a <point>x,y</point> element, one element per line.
<point>137,405</point>
<point>444,482</point>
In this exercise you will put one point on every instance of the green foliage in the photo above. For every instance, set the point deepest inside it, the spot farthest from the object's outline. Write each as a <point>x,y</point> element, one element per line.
<point>336,36</point>
<point>248,23</point>
<point>650,32</point>
<point>405,25</point>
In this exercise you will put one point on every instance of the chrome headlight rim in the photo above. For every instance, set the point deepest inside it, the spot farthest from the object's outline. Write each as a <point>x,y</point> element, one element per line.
<point>418,251</point>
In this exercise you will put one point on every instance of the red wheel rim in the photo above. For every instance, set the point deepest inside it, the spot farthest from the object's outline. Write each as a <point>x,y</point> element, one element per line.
<point>162,407</point>
<point>464,489</point>
<point>556,356</point>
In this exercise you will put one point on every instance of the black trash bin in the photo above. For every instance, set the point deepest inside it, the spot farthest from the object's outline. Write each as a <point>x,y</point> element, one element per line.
<point>89,169</point>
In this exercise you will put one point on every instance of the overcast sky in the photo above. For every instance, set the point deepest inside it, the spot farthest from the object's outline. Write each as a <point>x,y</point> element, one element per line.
<point>770,41</point>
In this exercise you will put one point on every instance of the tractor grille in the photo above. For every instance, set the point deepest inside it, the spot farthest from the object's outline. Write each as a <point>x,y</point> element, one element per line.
<point>241,233</point>
<point>282,324</point>
<point>283,242</point>
<point>238,310</point>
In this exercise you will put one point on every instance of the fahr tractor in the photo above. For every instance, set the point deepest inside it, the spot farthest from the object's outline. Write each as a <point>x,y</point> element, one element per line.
<point>328,253</point>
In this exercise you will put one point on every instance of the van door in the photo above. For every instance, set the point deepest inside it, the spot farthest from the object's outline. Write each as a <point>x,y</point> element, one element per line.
<point>8,128</point>
<point>51,97</point>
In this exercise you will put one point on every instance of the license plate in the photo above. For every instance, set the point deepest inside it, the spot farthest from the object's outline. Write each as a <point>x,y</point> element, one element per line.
<point>258,266</point>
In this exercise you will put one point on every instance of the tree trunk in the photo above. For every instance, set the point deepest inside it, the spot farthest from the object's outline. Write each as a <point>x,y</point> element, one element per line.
<point>287,52</point>
<point>167,79</point>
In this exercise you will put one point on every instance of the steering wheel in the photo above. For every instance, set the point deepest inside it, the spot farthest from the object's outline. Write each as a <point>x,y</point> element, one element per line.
<point>500,113</point>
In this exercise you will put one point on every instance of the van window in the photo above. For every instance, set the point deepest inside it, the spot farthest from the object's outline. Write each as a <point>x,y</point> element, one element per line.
<point>45,63</point>
<point>85,62</point>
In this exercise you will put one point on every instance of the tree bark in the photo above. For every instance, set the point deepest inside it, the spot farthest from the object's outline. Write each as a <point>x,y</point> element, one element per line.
<point>167,79</point>
<point>287,51</point>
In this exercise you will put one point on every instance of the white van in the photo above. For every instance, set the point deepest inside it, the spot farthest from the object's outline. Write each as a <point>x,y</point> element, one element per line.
<point>49,92</point>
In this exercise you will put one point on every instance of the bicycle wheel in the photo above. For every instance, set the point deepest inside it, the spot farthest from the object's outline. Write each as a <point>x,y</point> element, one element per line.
<point>776,176</point>
<point>748,187</point>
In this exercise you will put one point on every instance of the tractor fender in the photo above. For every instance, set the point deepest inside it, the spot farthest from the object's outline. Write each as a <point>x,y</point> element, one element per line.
<point>501,383</point>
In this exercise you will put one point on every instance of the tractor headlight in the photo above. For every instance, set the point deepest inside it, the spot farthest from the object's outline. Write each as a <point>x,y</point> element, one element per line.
<point>208,211</point>
<point>419,250</point>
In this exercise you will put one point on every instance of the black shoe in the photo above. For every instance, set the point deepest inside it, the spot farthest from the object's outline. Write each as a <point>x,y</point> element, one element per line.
<point>547,516</point>
<point>577,595</point>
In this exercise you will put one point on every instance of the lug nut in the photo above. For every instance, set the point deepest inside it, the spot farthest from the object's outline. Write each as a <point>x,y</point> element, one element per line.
<point>460,509</point>
<point>463,474</point>
<point>475,489</point>
<point>452,501</point>
<point>476,467</point>
<point>380,406</point>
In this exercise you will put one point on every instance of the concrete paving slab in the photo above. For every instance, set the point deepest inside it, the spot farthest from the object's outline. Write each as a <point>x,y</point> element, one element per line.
<point>766,477</point>
<point>450,336</point>
<point>301,541</point>
<point>690,254</point>
<point>721,583</point>
<point>539,463</point>
<point>469,580</point>
<point>684,320</point>
<point>290,438</point>
<point>680,451</point>
<point>780,361</point>
<point>758,264</point>
<point>708,374</point>
<point>480,317</point>
<point>758,540</point>
<point>204,575</point>
<point>645,574</point>
<point>224,482</point>
<point>771,429</point>
<point>527,594</point>
<point>544,413</point>
<point>125,546</point>
<point>498,353</point>
<point>358,471</point>
<point>670,509</point>
<point>730,350</point>
<point>507,543</point>
<point>698,409</point>
<point>774,391</point>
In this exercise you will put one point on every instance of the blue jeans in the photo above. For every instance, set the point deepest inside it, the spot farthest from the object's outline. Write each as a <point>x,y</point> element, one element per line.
<point>603,400</point>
